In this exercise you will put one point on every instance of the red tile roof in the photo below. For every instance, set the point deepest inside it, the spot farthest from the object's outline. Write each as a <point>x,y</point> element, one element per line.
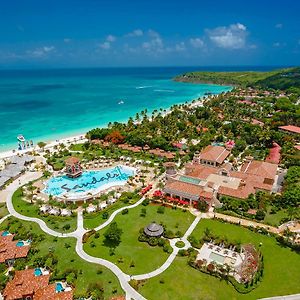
<point>260,168</point>
<point>72,160</point>
<point>188,188</point>
<point>9,249</point>
<point>214,153</point>
<point>290,128</point>
<point>274,155</point>
<point>25,283</point>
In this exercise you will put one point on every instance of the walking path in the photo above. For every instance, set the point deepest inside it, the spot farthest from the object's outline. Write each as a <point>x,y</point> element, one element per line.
<point>123,278</point>
<point>172,256</point>
<point>243,222</point>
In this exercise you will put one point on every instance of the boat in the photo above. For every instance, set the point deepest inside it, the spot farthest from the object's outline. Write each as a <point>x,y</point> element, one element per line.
<point>21,138</point>
<point>121,102</point>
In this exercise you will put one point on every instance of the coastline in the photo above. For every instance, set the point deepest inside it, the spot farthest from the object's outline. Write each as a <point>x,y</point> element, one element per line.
<point>80,137</point>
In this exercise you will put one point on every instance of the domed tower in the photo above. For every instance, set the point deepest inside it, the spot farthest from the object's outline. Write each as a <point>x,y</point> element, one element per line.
<point>171,170</point>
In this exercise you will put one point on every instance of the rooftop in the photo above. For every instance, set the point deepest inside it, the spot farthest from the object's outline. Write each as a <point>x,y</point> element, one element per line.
<point>290,128</point>
<point>214,153</point>
<point>154,230</point>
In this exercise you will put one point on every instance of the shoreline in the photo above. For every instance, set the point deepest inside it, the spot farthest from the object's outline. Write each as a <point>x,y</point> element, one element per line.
<point>80,137</point>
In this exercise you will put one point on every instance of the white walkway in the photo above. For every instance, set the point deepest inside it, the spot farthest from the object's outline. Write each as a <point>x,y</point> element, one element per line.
<point>123,278</point>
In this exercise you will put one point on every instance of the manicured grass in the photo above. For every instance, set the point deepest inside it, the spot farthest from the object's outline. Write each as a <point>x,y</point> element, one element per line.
<point>67,259</point>
<point>93,220</point>
<point>180,244</point>
<point>3,210</point>
<point>144,257</point>
<point>32,210</point>
<point>281,271</point>
<point>274,219</point>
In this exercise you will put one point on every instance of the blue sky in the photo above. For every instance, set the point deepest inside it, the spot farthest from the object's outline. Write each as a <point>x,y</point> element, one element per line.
<point>102,33</point>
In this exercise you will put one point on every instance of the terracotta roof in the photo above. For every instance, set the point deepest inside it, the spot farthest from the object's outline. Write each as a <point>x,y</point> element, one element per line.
<point>26,283</point>
<point>188,188</point>
<point>290,128</point>
<point>257,122</point>
<point>184,187</point>
<point>9,249</point>
<point>254,175</point>
<point>274,155</point>
<point>214,153</point>
<point>49,293</point>
<point>72,160</point>
<point>297,147</point>
<point>260,168</point>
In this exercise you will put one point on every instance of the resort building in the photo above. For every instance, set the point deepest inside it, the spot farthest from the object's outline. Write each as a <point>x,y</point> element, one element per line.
<point>202,180</point>
<point>212,156</point>
<point>10,249</point>
<point>34,284</point>
<point>73,168</point>
<point>14,167</point>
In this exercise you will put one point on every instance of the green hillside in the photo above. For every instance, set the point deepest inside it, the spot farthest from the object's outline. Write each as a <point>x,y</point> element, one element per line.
<point>277,79</point>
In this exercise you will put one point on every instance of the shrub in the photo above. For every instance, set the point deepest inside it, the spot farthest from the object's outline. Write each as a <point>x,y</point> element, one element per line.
<point>168,249</point>
<point>153,241</point>
<point>161,210</point>
<point>125,211</point>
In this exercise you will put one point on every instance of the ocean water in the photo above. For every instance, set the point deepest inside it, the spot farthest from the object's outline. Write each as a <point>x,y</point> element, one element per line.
<point>48,104</point>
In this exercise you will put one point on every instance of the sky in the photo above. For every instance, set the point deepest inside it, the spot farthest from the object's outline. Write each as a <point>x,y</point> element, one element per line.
<point>110,33</point>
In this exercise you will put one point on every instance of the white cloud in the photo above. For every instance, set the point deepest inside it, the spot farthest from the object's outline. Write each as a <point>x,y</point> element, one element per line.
<point>105,45</point>
<point>110,38</point>
<point>230,37</point>
<point>279,25</point>
<point>41,52</point>
<point>196,42</point>
<point>153,33</point>
<point>135,33</point>
<point>180,47</point>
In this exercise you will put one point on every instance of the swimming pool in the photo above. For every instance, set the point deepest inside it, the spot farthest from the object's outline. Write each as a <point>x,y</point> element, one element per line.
<point>38,272</point>
<point>5,233</point>
<point>189,180</point>
<point>20,244</point>
<point>89,181</point>
<point>218,258</point>
<point>59,287</point>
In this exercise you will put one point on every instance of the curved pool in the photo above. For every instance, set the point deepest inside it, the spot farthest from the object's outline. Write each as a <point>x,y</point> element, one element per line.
<point>89,182</point>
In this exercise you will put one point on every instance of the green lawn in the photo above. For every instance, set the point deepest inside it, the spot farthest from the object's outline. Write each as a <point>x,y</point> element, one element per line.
<point>3,210</point>
<point>145,257</point>
<point>31,210</point>
<point>281,272</point>
<point>93,220</point>
<point>67,259</point>
<point>274,219</point>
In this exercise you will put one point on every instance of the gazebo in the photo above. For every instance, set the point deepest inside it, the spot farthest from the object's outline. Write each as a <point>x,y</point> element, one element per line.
<point>73,168</point>
<point>154,230</point>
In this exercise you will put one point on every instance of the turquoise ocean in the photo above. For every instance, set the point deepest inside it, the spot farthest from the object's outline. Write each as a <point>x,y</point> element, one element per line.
<point>46,105</point>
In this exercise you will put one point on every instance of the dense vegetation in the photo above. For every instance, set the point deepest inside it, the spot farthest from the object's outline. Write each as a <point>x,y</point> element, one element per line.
<point>281,79</point>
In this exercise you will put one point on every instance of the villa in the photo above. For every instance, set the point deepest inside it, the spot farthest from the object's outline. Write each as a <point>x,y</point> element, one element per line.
<point>10,249</point>
<point>34,284</point>
<point>241,265</point>
<point>209,177</point>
